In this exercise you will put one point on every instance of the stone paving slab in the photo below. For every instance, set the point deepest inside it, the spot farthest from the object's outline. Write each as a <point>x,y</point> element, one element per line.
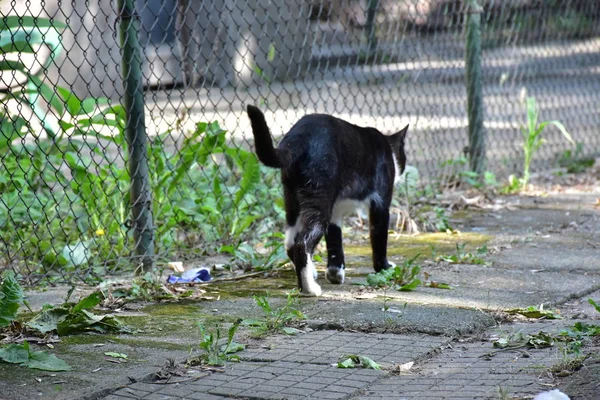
<point>493,288</point>
<point>368,315</point>
<point>463,373</point>
<point>277,380</point>
<point>326,347</point>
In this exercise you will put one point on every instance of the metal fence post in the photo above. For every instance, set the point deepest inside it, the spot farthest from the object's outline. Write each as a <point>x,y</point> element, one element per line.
<point>141,202</point>
<point>370,26</point>
<point>474,88</point>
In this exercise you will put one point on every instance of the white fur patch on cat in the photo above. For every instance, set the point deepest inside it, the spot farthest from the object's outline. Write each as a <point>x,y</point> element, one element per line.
<point>396,169</point>
<point>309,285</point>
<point>290,234</point>
<point>336,275</point>
<point>344,207</point>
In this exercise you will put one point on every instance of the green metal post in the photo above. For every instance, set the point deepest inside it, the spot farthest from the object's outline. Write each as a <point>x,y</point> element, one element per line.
<point>141,202</point>
<point>370,26</point>
<point>474,88</point>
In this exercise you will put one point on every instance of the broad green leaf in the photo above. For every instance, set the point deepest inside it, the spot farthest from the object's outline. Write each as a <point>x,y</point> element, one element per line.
<point>89,104</point>
<point>88,302</point>
<point>366,362</point>
<point>563,130</point>
<point>13,22</point>
<point>593,303</point>
<point>47,320</point>
<point>232,347</point>
<point>347,363</point>
<point>46,362</point>
<point>14,353</point>
<point>11,298</point>
<point>17,46</point>
<point>8,65</point>
<point>410,286</point>
<point>49,95</point>
<point>532,115</point>
<point>290,331</point>
<point>271,53</point>
<point>73,103</point>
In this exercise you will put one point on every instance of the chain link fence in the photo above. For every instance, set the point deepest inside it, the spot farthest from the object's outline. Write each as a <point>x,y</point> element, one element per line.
<point>66,146</point>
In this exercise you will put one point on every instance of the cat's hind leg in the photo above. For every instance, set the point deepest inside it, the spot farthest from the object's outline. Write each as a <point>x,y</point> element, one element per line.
<point>335,254</point>
<point>379,219</point>
<point>313,228</point>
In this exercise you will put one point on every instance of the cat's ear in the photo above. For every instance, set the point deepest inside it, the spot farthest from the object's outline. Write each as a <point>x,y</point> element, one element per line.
<point>401,135</point>
<point>397,139</point>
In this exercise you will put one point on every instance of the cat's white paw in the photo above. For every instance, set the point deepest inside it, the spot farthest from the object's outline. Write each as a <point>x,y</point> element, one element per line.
<point>310,288</point>
<point>313,290</point>
<point>336,275</point>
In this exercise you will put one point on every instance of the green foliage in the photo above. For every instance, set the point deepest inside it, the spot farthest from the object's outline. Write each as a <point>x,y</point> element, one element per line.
<point>355,361</point>
<point>593,303</point>
<point>72,318</point>
<point>574,161</point>
<point>11,298</point>
<point>519,340</point>
<point>532,139</point>
<point>66,195</point>
<point>21,354</point>
<point>463,257</point>
<point>409,182</point>
<point>535,312</point>
<point>142,288</point>
<point>276,319</point>
<point>456,174</point>
<point>216,350</point>
<point>248,258</point>
<point>401,277</point>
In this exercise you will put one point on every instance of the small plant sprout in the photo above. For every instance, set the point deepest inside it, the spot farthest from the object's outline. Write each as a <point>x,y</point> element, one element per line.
<point>532,137</point>
<point>463,257</point>
<point>401,277</point>
<point>217,350</point>
<point>276,319</point>
<point>593,303</point>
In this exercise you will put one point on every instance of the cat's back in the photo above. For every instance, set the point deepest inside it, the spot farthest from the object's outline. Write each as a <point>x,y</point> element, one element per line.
<point>322,130</point>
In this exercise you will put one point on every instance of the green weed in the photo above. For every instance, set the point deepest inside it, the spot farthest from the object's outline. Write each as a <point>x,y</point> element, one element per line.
<point>532,141</point>
<point>217,351</point>
<point>574,161</point>
<point>463,257</point>
<point>593,303</point>
<point>276,319</point>
<point>401,277</point>
<point>11,298</point>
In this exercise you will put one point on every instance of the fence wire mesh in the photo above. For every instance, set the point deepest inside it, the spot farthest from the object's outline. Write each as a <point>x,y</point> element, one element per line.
<point>65,208</point>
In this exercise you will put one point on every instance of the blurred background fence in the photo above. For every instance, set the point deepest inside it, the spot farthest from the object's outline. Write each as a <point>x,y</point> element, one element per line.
<point>65,210</point>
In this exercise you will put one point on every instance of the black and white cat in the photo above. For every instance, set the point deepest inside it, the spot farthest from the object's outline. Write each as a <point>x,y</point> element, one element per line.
<point>329,168</point>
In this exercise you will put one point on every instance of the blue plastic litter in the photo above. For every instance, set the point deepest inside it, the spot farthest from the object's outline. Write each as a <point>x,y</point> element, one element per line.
<point>195,275</point>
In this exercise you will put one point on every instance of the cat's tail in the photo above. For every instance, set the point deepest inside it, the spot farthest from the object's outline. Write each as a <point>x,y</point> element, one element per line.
<point>265,151</point>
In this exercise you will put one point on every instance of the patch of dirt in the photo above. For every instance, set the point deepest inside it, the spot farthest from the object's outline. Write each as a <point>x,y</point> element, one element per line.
<point>585,383</point>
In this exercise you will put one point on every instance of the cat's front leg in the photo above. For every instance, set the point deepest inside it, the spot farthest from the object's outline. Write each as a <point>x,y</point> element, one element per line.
<point>379,218</point>
<point>335,254</point>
